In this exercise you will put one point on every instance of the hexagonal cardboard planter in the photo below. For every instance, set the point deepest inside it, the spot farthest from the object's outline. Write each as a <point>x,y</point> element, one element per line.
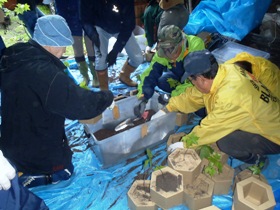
<point>223,181</point>
<point>253,194</point>
<point>199,194</point>
<point>139,197</point>
<point>181,118</point>
<point>187,162</point>
<point>166,187</point>
<point>173,138</point>
<point>246,174</point>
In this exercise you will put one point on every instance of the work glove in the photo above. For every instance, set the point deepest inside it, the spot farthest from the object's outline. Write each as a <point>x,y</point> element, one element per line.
<point>112,57</point>
<point>158,114</point>
<point>174,146</point>
<point>140,107</point>
<point>7,173</point>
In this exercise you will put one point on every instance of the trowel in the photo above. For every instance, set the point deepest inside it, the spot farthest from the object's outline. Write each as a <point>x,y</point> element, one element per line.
<point>129,122</point>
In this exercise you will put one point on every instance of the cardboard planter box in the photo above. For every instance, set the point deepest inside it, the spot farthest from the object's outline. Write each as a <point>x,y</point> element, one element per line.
<point>120,146</point>
<point>223,181</point>
<point>181,118</point>
<point>253,194</point>
<point>167,188</point>
<point>176,137</point>
<point>187,162</point>
<point>139,196</point>
<point>199,194</point>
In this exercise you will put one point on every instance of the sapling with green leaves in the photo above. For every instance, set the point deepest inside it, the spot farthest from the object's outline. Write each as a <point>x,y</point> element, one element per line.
<point>19,9</point>
<point>148,163</point>
<point>256,168</point>
<point>205,151</point>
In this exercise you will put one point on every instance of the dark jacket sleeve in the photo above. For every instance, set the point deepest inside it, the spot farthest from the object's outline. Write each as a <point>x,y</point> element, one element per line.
<point>149,78</point>
<point>127,24</point>
<point>69,100</point>
<point>87,16</point>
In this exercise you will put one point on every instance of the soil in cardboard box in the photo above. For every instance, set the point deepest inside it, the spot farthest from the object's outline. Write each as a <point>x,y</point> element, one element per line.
<point>105,133</point>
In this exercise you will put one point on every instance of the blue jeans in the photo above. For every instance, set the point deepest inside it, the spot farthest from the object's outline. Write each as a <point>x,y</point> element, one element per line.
<point>132,48</point>
<point>29,18</point>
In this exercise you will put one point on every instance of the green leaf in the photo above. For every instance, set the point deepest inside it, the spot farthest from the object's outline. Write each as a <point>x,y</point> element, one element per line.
<point>21,8</point>
<point>146,163</point>
<point>158,168</point>
<point>210,170</point>
<point>190,139</point>
<point>205,151</point>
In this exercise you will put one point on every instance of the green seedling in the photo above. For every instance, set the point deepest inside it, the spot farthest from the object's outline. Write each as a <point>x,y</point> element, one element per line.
<point>205,151</point>
<point>257,168</point>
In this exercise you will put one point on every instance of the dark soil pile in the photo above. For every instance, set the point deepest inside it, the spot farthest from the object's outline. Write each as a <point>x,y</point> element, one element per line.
<point>106,133</point>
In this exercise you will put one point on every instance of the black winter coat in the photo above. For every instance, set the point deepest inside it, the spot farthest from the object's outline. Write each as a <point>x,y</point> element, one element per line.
<point>37,96</point>
<point>113,16</point>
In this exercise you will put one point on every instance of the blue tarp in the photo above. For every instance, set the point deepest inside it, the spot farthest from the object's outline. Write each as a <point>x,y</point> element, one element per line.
<point>234,19</point>
<point>92,187</point>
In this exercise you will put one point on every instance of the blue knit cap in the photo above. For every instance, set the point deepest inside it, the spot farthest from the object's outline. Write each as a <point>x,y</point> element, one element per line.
<point>52,30</point>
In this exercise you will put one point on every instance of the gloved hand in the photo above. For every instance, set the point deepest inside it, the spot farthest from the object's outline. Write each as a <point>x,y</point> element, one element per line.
<point>158,114</point>
<point>111,107</point>
<point>7,173</point>
<point>174,146</point>
<point>140,107</point>
<point>112,58</point>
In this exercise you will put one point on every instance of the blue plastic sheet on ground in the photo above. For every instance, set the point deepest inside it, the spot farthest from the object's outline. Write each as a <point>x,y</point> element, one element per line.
<point>234,19</point>
<point>94,188</point>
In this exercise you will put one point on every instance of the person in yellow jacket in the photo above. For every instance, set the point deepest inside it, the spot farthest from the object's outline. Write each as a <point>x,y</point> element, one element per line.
<point>264,70</point>
<point>243,116</point>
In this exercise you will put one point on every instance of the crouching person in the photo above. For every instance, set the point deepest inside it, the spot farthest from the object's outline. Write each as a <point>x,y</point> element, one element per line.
<point>37,97</point>
<point>243,115</point>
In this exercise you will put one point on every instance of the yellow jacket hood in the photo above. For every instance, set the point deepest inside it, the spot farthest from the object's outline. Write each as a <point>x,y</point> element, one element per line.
<point>264,70</point>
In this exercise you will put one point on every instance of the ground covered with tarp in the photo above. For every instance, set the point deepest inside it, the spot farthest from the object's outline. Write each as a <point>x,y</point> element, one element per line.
<point>94,187</point>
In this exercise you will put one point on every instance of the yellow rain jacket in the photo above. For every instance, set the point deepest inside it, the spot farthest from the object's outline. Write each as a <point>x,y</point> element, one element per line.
<point>264,71</point>
<point>236,101</point>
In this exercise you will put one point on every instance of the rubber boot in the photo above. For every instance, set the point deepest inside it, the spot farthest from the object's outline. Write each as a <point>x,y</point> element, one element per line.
<point>103,79</point>
<point>83,67</point>
<point>125,75</point>
<point>95,82</point>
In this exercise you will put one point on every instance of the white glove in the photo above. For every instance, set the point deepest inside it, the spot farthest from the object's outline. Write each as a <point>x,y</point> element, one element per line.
<point>7,173</point>
<point>174,146</point>
<point>148,49</point>
<point>111,107</point>
<point>158,114</point>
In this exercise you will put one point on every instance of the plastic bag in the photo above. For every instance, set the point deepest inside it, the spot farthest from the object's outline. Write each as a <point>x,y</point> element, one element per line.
<point>233,19</point>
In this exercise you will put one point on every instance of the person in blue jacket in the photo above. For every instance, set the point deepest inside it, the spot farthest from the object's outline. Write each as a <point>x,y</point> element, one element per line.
<point>37,97</point>
<point>103,19</point>
<point>166,68</point>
